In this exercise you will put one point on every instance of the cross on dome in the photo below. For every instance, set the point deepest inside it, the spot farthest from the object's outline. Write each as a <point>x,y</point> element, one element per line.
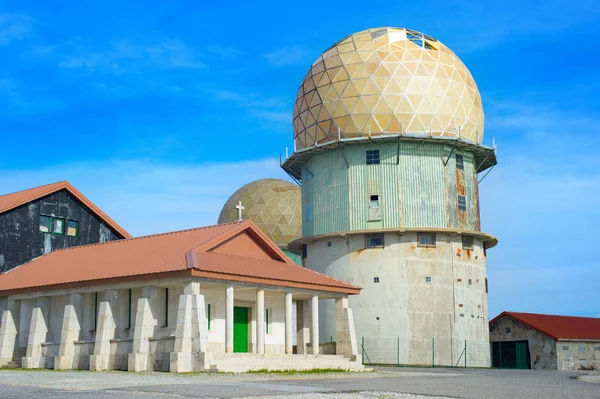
<point>239,208</point>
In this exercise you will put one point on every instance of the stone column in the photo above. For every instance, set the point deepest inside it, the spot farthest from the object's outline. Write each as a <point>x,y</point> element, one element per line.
<point>314,303</point>
<point>9,329</point>
<point>70,333</point>
<point>345,335</point>
<point>260,321</point>
<point>191,334</point>
<point>303,324</point>
<point>229,320</point>
<point>288,323</point>
<point>105,332</point>
<point>145,322</point>
<point>38,332</point>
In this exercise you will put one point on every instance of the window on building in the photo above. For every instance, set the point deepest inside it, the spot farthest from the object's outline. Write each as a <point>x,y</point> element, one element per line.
<point>166,308</point>
<point>45,224</point>
<point>267,320</point>
<point>581,348</point>
<point>508,330</point>
<point>304,251</point>
<point>374,213</point>
<point>129,311</point>
<point>376,279</point>
<point>95,311</point>
<point>208,316</point>
<point>467,242</point>
<point>470,282</point>
<point>460,162</point>
<point>428,279</point>
<point>426,240</point>
<point>486,286</point>
<point>72,228</point>
<point>374,240</point>
<point>565,348</point>
<point>462,203</point>
<point>329,243</point>
<point>372,157</point>
<point>597,348</point>
<point>58,226</point>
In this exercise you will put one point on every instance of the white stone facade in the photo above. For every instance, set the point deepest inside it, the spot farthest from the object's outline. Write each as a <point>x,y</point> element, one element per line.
<point>425,304</point>
<point>177,325</point>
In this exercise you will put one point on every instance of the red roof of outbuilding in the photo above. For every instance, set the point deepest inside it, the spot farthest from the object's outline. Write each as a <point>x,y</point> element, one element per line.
<point>558,327</point>
<point>215,252</point>
<point>14,200</point>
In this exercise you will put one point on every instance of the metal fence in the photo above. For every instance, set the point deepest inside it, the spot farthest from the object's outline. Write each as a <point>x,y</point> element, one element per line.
<point>394,351</point>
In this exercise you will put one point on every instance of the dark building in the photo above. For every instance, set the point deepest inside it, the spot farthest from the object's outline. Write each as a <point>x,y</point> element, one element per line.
<point>39,220</point>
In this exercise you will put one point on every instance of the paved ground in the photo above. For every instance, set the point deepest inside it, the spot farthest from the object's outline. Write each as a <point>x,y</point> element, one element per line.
<point>384,383</point>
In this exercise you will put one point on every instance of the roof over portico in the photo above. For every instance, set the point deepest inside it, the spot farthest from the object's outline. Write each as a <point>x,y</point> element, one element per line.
<point>237,252</point>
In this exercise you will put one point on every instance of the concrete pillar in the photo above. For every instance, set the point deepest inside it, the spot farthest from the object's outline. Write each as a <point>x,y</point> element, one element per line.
<point>38,331</point>
<point>100,360</point>
<point>9,329</point>
<point>260,321</point>
<point>71,327</point>
<point>345,334</point>
<point>229,320</point>
<point>145,322</point>
<point>302,324</point>
<point>191,333</point>
<point>288,323</point>
<point>314,304</point>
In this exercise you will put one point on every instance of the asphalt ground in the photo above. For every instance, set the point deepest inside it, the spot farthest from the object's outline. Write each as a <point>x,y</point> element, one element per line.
<point>383,383</point>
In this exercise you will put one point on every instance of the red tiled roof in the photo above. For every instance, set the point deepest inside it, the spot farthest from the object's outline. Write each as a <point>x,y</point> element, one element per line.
<point>14,200</point>
<point>161,255</point>
<point>271,270</point>
<point>558,327</point>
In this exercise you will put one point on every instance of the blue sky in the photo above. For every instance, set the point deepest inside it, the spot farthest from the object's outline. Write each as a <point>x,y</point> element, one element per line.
<point>158,111</point>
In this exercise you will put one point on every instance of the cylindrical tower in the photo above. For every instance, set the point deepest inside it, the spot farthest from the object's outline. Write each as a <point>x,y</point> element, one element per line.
<point>388,125</point>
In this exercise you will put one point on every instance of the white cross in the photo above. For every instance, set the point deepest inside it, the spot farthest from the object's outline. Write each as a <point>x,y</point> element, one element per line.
<point>239,208</point>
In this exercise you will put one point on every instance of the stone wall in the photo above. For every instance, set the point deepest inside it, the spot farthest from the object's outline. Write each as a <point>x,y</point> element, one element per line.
<point>578,355</point>
<point>542,348</point>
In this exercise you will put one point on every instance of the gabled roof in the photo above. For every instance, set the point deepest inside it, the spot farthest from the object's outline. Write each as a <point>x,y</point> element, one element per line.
<point>14,200</point>
<point>558,327</point>
<point>214,252</point>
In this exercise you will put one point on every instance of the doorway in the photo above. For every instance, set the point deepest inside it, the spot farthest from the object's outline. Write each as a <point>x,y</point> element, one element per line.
<point>240,330</point>
<point>511,355</point>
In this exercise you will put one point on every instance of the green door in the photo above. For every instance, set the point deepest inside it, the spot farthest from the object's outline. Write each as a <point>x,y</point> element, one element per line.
<point>240,329</point>
<point>522,355</point>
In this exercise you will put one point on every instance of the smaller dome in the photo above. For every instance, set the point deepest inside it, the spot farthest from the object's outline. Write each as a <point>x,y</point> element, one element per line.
<point>274,205</point>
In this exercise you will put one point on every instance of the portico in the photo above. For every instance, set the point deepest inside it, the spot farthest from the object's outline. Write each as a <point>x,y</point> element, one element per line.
<point>222,311</point>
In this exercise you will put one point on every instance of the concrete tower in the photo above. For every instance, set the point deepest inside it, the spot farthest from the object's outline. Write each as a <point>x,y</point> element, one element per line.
<point>274,205</point>
<point>388,125</point>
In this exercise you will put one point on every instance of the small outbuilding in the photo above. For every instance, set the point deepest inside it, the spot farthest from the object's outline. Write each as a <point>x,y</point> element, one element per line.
<point>216,298</point>
<point>539,341</point>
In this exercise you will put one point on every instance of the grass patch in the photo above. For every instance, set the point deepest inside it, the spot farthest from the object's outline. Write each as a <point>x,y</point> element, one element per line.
<point>289,372</point>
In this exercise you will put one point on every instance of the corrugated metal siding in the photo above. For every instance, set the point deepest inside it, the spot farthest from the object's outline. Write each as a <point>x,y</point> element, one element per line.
<point>326,194</point>
<point>470,193</point>
<point>422,191</point>
<point>452,195</point>
<point>419,192</point>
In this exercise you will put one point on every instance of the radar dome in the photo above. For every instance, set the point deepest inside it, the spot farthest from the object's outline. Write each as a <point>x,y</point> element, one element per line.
<point>387,81</point>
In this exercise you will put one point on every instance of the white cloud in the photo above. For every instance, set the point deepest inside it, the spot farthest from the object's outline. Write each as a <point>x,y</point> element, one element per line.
<point>287,55</point>
<point>542,203</point>
<point>124,56</point>
<point>14,27</point>
<point>147,197</point>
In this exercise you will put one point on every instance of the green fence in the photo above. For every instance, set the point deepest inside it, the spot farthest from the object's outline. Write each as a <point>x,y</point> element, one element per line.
<point>393,351</point>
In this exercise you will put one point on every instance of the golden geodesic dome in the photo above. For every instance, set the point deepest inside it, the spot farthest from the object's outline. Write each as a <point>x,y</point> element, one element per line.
<point>274,205</point>
<point>387,81</point>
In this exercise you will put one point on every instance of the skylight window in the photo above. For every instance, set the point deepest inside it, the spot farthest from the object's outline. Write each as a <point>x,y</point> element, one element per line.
<point>420,39</point>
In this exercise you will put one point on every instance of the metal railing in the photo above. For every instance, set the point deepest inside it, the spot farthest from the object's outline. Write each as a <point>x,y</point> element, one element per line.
<point>425,353</point>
